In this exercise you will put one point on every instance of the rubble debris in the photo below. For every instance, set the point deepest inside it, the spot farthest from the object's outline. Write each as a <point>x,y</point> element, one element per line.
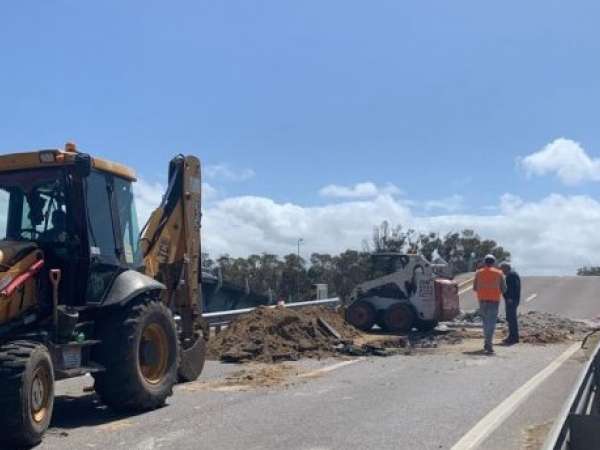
<point>470,319</point>
<point>281,334</point>
<point>537,327</point>
<point>433,339</point>
<point>329,328</point>
<point>382,346</point>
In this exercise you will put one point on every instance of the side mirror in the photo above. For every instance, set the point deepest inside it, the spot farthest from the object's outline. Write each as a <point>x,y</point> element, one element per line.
<point>83,165</point>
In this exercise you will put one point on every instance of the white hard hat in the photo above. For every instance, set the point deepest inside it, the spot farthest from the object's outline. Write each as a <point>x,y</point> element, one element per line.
<point>490,257</point>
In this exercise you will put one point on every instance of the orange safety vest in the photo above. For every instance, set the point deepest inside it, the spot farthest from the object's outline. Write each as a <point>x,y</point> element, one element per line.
<point>489,281</point>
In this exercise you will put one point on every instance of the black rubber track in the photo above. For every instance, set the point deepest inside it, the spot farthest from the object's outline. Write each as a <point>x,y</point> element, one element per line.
<point>121,386</point>
<point>15,422</point>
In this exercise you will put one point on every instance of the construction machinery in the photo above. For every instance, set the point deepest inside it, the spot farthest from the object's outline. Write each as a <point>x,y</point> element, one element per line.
<point>407,292</point>
<point>82,291</point>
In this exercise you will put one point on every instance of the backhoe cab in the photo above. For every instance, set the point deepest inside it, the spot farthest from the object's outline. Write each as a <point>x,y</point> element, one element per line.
<point>82,292</point>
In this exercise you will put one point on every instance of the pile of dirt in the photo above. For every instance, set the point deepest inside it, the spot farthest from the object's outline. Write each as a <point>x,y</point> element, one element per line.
<point>282,334</point>
<point>537,327</point>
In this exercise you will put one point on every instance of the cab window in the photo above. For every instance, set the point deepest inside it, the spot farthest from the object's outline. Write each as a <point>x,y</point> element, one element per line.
<point>101,234</point>
<point>105,263</point>
<point>128,222</point>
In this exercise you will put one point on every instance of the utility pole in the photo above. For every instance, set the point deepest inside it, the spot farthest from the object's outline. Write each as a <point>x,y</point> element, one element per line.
<point>300,241</point>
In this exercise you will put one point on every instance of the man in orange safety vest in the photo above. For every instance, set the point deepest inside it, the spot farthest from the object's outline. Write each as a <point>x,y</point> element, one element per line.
<point>489,284</point>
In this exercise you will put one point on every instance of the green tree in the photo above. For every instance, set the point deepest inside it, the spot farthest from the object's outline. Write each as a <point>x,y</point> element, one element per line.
<point>587,271</point>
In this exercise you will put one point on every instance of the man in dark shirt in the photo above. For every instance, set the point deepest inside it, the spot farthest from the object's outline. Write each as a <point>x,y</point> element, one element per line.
<point>512,297</point>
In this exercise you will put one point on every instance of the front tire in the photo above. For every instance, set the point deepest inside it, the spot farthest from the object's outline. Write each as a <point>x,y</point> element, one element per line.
<point>426,325</point>
<point>26,392</point>
<point>361,314</point>
<point>399,318</point>
<point>139,351</point>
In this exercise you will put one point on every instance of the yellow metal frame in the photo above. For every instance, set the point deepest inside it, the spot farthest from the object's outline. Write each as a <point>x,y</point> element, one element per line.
<point>24,297</point>
<point>31,160</point>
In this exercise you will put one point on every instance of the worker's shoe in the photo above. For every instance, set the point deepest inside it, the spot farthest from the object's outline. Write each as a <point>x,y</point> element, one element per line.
<point>509,342</point>
<point>488,350</point>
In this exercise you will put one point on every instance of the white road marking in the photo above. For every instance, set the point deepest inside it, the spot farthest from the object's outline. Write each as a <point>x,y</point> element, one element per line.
<point>500,413</point>
<point>531,298</point>
<point>464,283</point>
<point>465,290</point>
<point>322,370</point>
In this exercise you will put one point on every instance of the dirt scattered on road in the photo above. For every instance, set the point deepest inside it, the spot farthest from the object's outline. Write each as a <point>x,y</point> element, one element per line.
<point>272,335</point>
<point>537,327</point>
<point>534,436</point>
<point>281,334</point>
<point>263,376</point>
<point>251,377</point>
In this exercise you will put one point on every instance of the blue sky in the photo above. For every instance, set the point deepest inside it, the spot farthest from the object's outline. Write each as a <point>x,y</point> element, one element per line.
<point>437,98</point>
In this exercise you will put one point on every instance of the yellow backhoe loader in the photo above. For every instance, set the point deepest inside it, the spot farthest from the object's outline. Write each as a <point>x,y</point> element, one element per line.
<point>82,291</point>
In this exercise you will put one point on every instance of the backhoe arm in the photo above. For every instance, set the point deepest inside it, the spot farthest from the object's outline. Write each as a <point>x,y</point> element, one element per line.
<point>170,241</point>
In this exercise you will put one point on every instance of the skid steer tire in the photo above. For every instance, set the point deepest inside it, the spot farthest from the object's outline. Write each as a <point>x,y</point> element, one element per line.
<point>191,360</point>
<point>399,317</point>
<point>139,351</point>
<point>26,393</point>
<point>361,314</point>
<point>381,323</point>
<point>426,325</point>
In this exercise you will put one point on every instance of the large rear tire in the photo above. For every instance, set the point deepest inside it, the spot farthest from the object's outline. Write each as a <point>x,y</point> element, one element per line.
<point>399,317</point>
<point>361,314</point>
<point>139,350</point>
<point>26,393</point>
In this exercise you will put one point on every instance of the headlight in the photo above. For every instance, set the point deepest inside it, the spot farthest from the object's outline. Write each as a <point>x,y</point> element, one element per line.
<point>47,156</point>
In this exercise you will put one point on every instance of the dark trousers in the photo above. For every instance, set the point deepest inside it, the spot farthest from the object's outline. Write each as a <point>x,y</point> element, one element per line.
<point>511,317</point>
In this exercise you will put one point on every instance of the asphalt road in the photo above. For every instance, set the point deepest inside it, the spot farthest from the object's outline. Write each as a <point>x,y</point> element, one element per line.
<point>427,400</point>
<point>573,297</point>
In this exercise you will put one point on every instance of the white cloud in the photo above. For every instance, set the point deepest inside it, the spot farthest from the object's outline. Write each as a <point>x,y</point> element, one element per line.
<point>452,203</point>
<point>148,196</point>
<point>358,191</point>
<point>224,172</point>
<point>564,158</point>
<point>555,235</point>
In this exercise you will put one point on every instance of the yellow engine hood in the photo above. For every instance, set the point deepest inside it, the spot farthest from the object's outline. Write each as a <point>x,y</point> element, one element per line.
<point>13,251</point>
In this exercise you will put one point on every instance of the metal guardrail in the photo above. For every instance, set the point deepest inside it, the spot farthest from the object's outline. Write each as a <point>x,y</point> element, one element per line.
<point>221,318</point>
<point>578,425</point>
